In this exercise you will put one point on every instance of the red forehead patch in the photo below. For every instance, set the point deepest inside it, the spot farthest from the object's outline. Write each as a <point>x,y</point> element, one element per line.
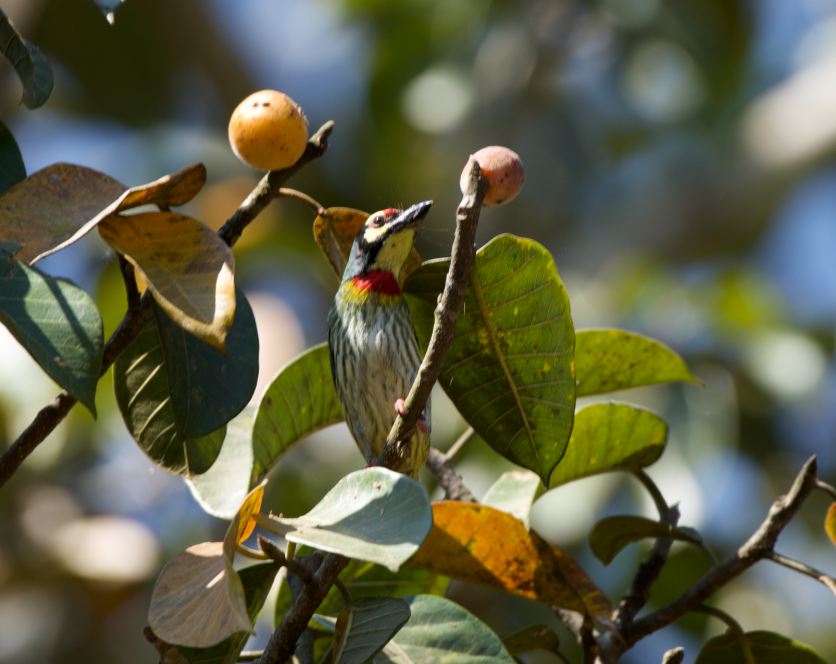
<point>391,212</point>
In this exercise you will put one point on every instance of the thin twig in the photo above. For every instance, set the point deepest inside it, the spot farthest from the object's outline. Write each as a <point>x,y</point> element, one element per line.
<point>756,548</point>
<point>273,552</point>
<point>447,478</point>
<point>129,278</point>
<point>249,655</point>
<point>803,568</point>
<point>639,592</point>
<point>136,318</point>
<point>457,447</point>
<point>247,552</point>
<point>395,450</point>
<point>674,656</point>
<point>169,654</point>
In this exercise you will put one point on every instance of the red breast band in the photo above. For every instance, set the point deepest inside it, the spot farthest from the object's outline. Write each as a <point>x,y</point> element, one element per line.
<point>377,281</point>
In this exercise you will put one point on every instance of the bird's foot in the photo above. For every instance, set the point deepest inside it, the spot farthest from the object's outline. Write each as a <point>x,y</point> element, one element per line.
<point>422,421</point>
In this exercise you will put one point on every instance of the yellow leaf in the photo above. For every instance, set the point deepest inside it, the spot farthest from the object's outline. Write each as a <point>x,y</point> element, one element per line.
<point>830,522</point>
<point>485,546</point>
<point>335,232</point>
<point>188,268</point>
<point>249,508</point>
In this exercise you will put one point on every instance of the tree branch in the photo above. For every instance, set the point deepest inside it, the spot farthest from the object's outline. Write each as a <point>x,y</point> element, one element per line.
<point>395,450</point>
<point>447,478</point>
<point>139,314</point>
<point>802,568</point>
<point>756,548</point>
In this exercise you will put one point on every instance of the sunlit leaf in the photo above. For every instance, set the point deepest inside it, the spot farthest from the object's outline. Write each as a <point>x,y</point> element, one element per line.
<point>830,523</point>
<point>364,578</point>
<point>376,515</point>
<point>767,647</point>
<point>170,190</point>
<point>335,232</point>
<point>188,268</point>
<point>29,63</point>
<point>299,401</point>
<point>363,629</point>
<point>536,637</point>
<point>57,323</point>
<point>440,631</point>
<point>50,205</point>
<point>608,437</point>
<point>172,388</point>
<point>609,536</point>
<point>515,492</point>
<point>198,600</point>
<point>609,360</point>
<point>12,169</point>
<point>482,545</point>
<point>510,370</point>
<point>249,509</point>
<point>257,581</point>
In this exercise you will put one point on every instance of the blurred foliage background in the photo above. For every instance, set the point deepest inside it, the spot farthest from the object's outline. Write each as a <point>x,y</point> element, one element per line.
<point>680,167</point>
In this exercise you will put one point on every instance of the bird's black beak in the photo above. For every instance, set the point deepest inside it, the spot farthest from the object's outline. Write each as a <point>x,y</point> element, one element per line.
<point>411,217</point>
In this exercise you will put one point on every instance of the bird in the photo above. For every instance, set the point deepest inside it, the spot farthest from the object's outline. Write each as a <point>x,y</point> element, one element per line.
<point>371,340</point>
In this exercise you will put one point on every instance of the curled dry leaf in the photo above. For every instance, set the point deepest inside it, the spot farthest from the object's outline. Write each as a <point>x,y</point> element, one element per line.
<point>199,599</point>
<point>830,523</point>
<point>335,231</point>
<point>188,268</point>
<point>175,189</point>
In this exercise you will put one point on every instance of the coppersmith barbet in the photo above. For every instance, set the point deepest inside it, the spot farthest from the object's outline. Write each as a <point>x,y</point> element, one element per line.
<point>372,343</point>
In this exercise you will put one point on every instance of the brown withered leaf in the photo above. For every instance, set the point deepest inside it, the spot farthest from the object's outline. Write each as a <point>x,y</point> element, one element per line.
<point>49,206</point>
<point>188,268</point>
<point>335,232</point>
<point>198,599</point>
<point>485,546</point>
<point>175,189</point>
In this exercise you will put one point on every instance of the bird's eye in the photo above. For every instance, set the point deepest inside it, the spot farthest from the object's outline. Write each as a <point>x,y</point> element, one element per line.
<point>377,222</point>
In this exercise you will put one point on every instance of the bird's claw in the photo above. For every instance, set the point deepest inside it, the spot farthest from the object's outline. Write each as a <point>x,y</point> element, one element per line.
<point>400,407</point>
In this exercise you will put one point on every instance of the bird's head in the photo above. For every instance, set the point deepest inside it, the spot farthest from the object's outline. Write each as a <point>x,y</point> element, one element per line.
<point>383,243</point>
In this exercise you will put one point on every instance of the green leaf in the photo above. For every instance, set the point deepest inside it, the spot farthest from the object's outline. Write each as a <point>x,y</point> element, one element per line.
<point>257,581</point>
<point>172,388</point>
<point>57,323</point>
<point>216,490</point>
<point>31,66</point>
<point>375,514</point>
<point>300,400</point>
<point>609,360</point>
<point>767,647</point>
<point>515,492</point>
<point>363,629</point>
<point>608,437</point>
<point>536,637</point>
<point>366,579</point>
<point>440,631</point>
<point>609,536</point>
<point>509,371</point>
<point>12,169</point>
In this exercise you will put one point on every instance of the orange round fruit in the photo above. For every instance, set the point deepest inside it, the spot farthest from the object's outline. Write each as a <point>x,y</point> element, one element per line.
<point>502,168</point>
<point>268,131</point>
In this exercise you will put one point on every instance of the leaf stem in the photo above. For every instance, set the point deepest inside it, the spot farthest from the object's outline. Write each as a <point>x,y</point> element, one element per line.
<point>803,568</point>
<point>457,447</point>
<point>249,655</point>
<point>734,628</point>
<point>302,198</point>
<point>345,592</point>
<point>327,652</point>
<point>653,490</point>
<point>827,488</point>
